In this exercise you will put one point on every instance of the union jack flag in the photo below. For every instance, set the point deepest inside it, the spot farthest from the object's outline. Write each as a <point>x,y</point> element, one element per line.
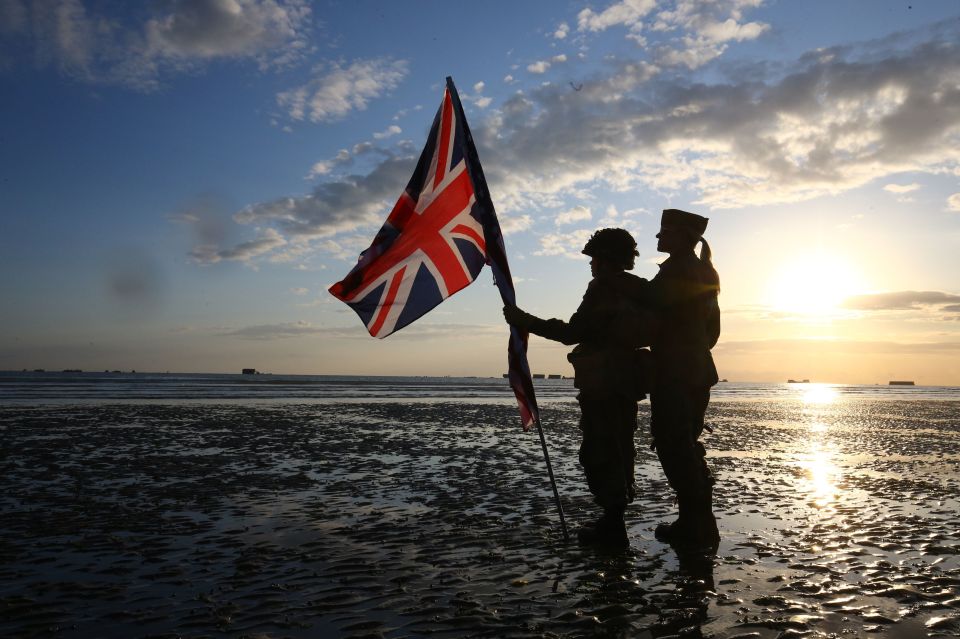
<point>437,238</point>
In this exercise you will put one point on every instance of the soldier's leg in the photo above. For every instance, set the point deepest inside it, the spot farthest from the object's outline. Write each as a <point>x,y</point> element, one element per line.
<point>676,422</point>
<point>602,456</point>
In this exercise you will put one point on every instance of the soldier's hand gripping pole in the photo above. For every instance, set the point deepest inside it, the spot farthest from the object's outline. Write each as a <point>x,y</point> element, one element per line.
<point>553,484</point>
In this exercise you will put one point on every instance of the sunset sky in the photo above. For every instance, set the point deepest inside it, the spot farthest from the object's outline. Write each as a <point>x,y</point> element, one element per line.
<point>180,182</point>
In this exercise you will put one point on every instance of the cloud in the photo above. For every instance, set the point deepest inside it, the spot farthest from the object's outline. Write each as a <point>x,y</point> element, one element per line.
<point>686,33</point>
<point>953,202</point>
<point>516,224</point>
<point>282,330</point>
<point>900,300</point>
<point>540,66</point>
<point>389,132</point>
<point>177,36</point>
<point>422,330</point>
<point>627,12</point>
<point>323,167</point>
<point>829,122</point>
<point>334,207</point>
<point>268,240</point>
<point>269,31</point>
<point>576,214</point>
<point>567,244</point>
<point>563,29</point>
<point>333,94</point>
<point>812,347</point>
<point>478,87</point>
<point>901,188</point>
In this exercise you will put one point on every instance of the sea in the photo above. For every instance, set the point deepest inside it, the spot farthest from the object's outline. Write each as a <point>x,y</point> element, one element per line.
<point>75,387</point>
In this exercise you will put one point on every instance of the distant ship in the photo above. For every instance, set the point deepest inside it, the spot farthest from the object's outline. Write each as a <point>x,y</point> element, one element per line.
<point>250,371</point>
<point>539,376</point>
<point>798,381</point>
<point>901,382</point>
<point>554,376</point>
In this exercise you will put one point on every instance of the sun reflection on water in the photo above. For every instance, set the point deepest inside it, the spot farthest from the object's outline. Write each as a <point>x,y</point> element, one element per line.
<point>819,394</point>
<point>822,474</point>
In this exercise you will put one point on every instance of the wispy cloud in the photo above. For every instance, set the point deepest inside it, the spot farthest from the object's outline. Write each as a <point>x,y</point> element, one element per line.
<point>900,300</point>
<point>283,330</point>
<point>576,214</point>
<point>268,240</point>
<point>334,207</point>
<point>389,132</point>
<point>176,36</point>
<point>335,92</point>
<point>685,33</point>
<point>812,347</point>
<point>415,332</point>
<point>953,202</point>
<point>832,121</point>
<point>567,244</point>
<point>541,66</point>
<point>901,188</point>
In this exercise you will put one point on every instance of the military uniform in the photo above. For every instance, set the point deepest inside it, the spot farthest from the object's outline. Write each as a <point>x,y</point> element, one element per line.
<point>684,294</point>
<point>601,326</point>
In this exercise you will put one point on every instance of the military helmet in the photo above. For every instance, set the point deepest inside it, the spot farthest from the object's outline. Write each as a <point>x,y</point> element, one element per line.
<point>615,245</point>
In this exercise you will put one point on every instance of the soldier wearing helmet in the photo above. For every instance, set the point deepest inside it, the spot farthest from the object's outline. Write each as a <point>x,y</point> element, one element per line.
<point>607,328</point>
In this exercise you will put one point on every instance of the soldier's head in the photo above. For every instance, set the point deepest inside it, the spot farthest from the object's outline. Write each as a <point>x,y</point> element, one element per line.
<point>680,231</point>
<point>612,248</point>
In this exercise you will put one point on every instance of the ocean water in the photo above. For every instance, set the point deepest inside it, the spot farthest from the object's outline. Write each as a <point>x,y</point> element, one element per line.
<point>45,388</point>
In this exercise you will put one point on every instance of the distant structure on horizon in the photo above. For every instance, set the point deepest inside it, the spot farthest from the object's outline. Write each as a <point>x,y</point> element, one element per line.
<point>901,382</point>
<point>797,381</point>
<point>250,371</point>
<point>554,376</point>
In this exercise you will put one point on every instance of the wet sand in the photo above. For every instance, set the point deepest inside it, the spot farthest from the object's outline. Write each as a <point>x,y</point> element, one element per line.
<point>838,519</point>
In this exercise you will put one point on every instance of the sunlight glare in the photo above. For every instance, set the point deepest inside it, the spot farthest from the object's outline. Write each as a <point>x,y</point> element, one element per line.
<point>813,285</point>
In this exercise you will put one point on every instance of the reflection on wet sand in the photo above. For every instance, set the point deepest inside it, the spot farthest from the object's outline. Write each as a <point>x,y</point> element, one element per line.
<point>838,519</point>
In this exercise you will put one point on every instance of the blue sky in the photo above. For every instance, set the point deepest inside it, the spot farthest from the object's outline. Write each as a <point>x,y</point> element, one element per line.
<point>180,182</point>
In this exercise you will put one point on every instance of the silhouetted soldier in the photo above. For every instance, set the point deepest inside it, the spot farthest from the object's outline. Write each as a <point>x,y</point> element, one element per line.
<point>684,294</point>
<point>607,327</point>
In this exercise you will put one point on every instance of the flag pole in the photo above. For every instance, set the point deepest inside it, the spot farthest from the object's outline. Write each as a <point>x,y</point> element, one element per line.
<point>553,484</point>
<point>497,259</point>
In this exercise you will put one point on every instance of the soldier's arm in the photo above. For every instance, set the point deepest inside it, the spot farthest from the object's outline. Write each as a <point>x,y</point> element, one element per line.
<point>570,332</point>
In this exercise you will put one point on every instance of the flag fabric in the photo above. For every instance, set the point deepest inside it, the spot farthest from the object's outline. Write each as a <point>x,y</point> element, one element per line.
<point>437,238</point>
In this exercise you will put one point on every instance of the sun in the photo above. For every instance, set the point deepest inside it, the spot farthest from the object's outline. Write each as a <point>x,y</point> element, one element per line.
<point>813,285</point>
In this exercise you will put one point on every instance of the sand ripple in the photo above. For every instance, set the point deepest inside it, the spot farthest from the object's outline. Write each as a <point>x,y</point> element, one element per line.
<point>397,520</point>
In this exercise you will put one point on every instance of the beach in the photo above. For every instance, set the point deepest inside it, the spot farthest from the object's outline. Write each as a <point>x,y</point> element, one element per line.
<point>839,518</point>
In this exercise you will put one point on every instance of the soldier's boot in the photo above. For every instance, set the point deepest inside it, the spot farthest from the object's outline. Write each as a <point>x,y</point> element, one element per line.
<point>610,530</point>
<point>696,528</point>
<point>708,535</point>
<point>678,528</point>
